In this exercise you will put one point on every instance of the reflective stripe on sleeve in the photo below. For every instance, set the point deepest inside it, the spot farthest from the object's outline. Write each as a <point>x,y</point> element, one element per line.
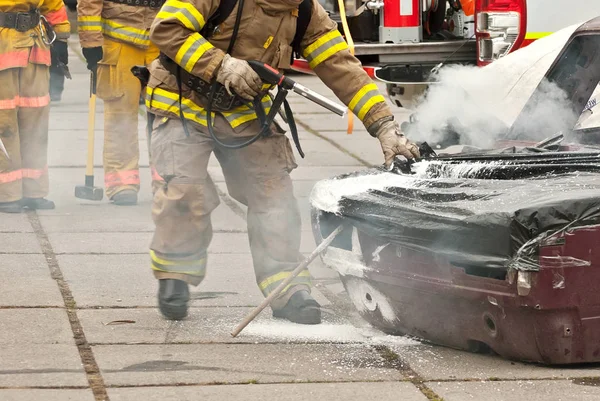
<point>324,47</point>
<point>58,16</point>
<point>126,33</point>
<point>365,99</point>
<point>89,23</point>
<point>183,12</point>
<point>192,49</point>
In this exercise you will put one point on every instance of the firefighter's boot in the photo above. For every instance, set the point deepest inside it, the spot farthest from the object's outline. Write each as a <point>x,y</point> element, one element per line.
<point>11,207</point>
<point>173,297</point>
<point>301,308</point>
<point>38,203</point>
<point>126,197</point>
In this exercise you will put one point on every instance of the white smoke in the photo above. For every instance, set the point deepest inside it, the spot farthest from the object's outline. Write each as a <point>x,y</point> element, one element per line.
<point>481,104</point>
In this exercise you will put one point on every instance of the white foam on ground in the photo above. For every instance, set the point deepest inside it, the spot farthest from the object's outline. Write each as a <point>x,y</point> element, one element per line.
<point>326,194</point>
<point>324,332</point>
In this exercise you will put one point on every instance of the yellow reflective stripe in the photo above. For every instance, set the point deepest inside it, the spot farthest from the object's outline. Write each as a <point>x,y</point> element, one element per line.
<point>324,47</point>
<point>191,273</point>
<point>125,33</point>
<point>85,18</point>
<point>90,28</point>
<point>89,23</point>
<point>185,13</point>
<point>164,100</point>
<point>158,259</point>
<point>364,100</point>
<point>368,105</point>
<point>276,278</point>
<point>537,35</point>
<point>191,50</point>
<point>317,43</point>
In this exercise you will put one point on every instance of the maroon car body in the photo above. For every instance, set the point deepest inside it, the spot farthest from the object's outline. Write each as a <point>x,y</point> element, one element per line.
<point>547,312</point>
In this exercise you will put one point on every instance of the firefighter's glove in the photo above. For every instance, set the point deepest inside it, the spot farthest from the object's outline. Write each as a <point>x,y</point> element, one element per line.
<point>92,55</point>
<point>237,76</point>
<point>394,143</point>
<point>60,52</point>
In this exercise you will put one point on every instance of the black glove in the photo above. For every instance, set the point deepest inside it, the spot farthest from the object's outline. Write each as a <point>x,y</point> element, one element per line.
<point>92,55</point>
<point>60,52</point>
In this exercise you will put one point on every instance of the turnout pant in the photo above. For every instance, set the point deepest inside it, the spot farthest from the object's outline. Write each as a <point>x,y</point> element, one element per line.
<point>120,91</point>
<point>257,176</point>
<point>24,101</point>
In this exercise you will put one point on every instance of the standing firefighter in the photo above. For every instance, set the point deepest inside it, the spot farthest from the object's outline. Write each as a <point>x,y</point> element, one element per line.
<point>257,175</point>
<point>27,29</point>
<point>114,35</point>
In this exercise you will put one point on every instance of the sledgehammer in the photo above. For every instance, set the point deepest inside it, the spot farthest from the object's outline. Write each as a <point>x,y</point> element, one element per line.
<point>288,280</point>
<point>89,191</point>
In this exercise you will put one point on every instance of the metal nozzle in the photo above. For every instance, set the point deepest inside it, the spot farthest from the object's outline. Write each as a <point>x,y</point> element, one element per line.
<point>320,100</point>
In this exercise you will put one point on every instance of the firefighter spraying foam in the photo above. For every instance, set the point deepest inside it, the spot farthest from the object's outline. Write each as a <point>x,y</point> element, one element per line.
<point>28,29</point>
<point>204,41</point>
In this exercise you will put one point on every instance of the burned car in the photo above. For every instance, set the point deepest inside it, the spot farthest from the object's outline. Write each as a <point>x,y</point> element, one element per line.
<point>486,249</point>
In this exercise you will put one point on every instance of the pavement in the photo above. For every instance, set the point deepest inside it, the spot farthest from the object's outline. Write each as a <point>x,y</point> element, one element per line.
<point>78,300</point>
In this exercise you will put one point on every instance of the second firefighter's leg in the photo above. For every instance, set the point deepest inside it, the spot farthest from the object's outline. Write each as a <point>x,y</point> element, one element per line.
<point>120,91</point>
<point>33,127</point>
<point>57,79</point>
<point>181,212</point>
<point>258,176</point>
<point>11,175</point>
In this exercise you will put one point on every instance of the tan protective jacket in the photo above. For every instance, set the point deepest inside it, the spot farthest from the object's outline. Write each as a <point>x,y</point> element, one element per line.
<point>120,22</point>
<point>17,49</point>
<point>266,31</point>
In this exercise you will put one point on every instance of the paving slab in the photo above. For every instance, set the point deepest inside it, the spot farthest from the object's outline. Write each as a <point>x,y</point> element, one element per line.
<point>35,326</point>
<point>321,153</point>
<point>126,280</point>
<point>209,325</point>
<point>11,223</point>
<point>17,243</point>
<point>135,243</point>
<point>46,395</point>
<point>42,365</point>
<point>30,282</point>
<point>533,390</point>
<point>386,391</point>
<point>440,363</point>
<point>110,218</point>
<point>240,363</point>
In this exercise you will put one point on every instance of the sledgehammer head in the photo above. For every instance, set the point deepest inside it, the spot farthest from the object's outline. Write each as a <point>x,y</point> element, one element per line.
<point>89,191</point>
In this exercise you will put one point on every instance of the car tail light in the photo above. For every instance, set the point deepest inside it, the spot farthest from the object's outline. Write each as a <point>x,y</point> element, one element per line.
<point>500,27</point>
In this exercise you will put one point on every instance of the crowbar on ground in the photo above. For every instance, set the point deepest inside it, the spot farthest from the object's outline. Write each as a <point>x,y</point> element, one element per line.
<point>288,280</point>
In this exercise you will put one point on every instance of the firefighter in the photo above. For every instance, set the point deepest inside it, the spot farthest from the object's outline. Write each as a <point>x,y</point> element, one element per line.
<point>257,175</point>
<point>114,35</point>
<point>27,29</point>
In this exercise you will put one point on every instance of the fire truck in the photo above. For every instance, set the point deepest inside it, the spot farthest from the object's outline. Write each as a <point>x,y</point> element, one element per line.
<point>401,41</point>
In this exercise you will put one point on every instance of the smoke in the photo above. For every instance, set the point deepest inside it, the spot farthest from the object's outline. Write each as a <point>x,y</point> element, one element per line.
<point>477,106</point>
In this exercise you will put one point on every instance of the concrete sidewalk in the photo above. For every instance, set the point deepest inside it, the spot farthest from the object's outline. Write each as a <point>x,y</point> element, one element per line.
<point>78,301</point>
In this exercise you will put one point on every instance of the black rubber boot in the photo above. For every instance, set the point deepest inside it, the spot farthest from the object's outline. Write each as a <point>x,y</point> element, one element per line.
<point>173,297</point>
<point>301,308</point>
<point>11,207</point>
<point>38,203</point>
<point>126,197</point>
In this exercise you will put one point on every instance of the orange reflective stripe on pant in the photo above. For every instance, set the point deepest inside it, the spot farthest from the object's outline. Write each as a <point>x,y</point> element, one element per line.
<point>19,101</point>
<point>122,178</point>
<point>18,58</point>
<point>56,17</point>
<point>17,175</point>
<point>155,175</point>
<point>39,55</point>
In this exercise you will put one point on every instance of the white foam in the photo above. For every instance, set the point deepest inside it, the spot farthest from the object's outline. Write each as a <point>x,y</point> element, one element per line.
<point>327,194</point>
